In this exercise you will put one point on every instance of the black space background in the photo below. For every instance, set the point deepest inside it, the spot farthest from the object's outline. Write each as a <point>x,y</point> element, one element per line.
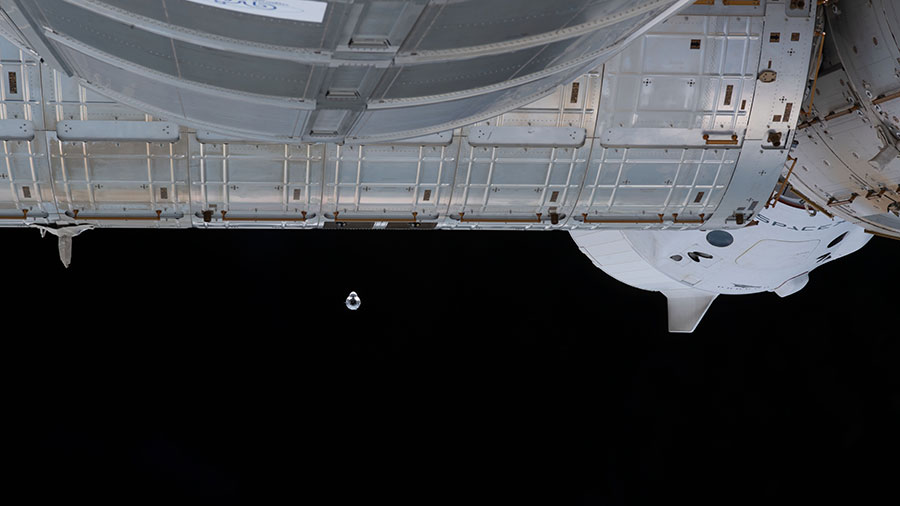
<point>217,367</point>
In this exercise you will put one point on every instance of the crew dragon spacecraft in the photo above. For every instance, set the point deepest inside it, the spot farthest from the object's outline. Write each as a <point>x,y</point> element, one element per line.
<point>690,147</point>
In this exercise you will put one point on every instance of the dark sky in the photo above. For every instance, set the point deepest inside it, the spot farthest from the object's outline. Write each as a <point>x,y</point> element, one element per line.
<point>218,367</point>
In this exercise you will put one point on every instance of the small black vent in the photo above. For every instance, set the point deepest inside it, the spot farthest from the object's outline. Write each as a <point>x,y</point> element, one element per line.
<point>697,255</point>
<point>836,240</point>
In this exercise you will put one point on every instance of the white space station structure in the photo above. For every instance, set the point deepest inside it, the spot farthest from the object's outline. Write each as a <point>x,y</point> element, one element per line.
<point>690,147</point>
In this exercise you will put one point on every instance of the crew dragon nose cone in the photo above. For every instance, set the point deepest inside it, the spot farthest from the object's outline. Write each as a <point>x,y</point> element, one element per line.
<point>353,301</point>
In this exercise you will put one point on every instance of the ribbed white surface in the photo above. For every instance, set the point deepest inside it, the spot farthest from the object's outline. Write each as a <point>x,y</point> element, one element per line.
<point>610,251</point>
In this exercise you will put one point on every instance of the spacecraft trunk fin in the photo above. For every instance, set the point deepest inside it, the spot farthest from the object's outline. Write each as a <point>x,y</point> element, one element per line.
<point>687,307</point>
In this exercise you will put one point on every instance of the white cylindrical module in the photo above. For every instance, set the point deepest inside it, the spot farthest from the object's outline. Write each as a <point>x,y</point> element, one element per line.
<point>317,71</point>
<point>688,126</point>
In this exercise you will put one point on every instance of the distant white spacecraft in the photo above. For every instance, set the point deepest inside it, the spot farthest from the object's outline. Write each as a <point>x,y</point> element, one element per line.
<point>353,301</point>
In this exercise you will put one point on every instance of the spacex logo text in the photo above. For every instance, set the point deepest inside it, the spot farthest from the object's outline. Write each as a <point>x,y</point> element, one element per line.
<point>809,228</point>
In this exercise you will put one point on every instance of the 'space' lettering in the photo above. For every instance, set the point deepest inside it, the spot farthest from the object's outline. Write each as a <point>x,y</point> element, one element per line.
<point>809,228</point>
